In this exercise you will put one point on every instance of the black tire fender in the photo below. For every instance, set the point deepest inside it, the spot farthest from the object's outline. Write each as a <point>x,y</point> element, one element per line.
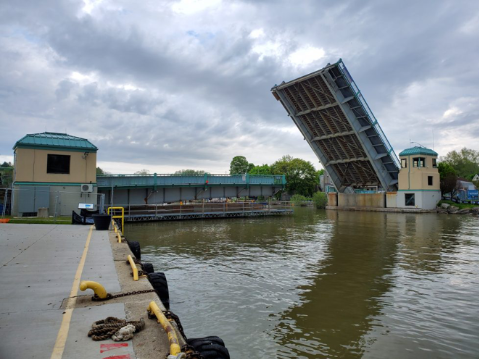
<point>147,268</point>
<point>160,285</point>
<point>210,347</point>
<point>135,249</point>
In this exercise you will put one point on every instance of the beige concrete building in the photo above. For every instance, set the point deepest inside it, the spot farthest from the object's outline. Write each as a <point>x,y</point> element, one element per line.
<point>419,185</point>
<point>55,171</point>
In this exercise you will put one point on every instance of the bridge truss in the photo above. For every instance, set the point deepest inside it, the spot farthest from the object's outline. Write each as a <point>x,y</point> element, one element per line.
<point>335,119</point>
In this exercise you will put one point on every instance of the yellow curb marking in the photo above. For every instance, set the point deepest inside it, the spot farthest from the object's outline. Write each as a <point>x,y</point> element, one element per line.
<point>67,316</point>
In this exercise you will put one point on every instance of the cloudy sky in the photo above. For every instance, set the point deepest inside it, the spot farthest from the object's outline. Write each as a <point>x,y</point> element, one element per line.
<point>166,85</point>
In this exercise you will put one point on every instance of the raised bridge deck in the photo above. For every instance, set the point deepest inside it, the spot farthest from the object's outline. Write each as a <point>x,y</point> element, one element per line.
<point>341,129</point>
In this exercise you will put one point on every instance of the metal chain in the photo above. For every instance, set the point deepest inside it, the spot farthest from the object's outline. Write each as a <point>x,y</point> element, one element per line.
<point>110,296</point>
<point>190,352</point>
<point>132,293</point>
<point>170,315</point>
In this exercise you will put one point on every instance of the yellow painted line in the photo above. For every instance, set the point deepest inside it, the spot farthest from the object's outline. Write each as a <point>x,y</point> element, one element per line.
<point>67,316</point>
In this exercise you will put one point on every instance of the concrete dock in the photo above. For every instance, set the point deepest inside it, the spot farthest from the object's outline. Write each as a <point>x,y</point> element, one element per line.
<point>41,267</point>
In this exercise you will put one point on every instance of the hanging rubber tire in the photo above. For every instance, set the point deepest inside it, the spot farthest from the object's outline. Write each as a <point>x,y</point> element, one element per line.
<point>210,339</point>
<point>135,249</point>
<point>160,285</point>
<point>210,347</point>
<point>147,268</point>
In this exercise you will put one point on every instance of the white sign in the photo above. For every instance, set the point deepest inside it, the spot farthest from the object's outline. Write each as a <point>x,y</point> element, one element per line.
<point>86,206</point>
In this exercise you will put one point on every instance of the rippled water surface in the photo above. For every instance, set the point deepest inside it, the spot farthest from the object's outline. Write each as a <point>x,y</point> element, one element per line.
<point>323,284</point>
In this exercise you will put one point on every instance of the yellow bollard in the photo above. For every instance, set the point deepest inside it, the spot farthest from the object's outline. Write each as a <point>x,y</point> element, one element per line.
<point>133,267</point>
<point>122,216</point>
<point>172,338</point>
<point>99,290</point>
<point>119,237</point>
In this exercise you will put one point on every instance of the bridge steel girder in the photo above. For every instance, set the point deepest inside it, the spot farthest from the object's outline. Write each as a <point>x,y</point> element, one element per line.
<point>336,121</point>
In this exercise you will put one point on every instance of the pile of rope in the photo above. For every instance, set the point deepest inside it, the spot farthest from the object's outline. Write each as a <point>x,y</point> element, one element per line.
<point>117,329</point>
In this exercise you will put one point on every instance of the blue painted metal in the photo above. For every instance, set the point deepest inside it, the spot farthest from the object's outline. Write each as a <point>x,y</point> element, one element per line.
<point>158,181</point>
<point>337,122</point>
<point>374,122</point>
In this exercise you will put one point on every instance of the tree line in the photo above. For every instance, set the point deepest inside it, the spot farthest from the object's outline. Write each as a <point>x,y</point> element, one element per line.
<point>301,176</point>
<point>463,164</point>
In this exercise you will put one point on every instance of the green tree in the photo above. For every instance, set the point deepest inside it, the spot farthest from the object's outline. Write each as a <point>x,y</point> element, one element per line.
<point>260,170</point>
<point>189,172</point>
<point>465,162</point>
<point>298,199</point>
<point>240,165</point>
<point>300,175</point>
<point>320,199</point>
<point>6,176</point>
<point>99,171</point>
<point>448,178</point>
<point>142,172</point>
<point>6,164</point>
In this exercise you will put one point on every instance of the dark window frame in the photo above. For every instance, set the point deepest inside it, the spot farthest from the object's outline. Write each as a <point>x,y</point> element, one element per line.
<point>58,164</point>
<point>419,162</point>
<point>430,180</point>
<point>410,199</point>
<point>403,162</point>
<point>434,163</point>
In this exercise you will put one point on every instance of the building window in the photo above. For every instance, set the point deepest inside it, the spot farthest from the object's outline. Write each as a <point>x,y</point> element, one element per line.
<point>58,164</point>
<point>403,163</point>
<point>418,162</point>
<point>434,163</point>
<point>409,197</point>
<point>429,180</point>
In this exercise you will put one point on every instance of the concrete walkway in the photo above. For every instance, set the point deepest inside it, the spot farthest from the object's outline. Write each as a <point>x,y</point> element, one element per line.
<point>38,264</point>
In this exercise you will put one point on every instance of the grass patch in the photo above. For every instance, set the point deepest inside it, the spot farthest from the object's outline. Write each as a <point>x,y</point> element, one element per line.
<point>458,205</point>
<point>35,220</point>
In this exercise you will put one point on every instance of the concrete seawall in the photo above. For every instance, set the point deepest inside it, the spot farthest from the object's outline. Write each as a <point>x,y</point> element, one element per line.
<point>41,266</point>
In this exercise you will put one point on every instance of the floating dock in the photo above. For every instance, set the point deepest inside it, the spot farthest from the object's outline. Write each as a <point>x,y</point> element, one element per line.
<point>204,211</point>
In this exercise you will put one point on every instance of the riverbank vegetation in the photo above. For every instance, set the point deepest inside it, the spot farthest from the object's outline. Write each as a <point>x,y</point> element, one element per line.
<point>463,164</point>
<point>458,205</point>
<point>301,176</point>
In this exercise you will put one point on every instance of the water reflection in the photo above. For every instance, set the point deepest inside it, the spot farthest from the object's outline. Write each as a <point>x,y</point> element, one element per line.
<point>324,284</point>
<point>338,307</point>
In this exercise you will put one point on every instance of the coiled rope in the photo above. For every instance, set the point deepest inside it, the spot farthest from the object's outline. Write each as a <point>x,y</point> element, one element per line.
<point>107,328</point>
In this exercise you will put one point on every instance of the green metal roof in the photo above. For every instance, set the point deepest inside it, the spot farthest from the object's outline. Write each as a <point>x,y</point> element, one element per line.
<point>54,140</point>
<point>418,151</point>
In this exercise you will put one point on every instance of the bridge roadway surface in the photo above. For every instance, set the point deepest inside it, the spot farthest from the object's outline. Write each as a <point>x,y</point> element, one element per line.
<point>38,272</point>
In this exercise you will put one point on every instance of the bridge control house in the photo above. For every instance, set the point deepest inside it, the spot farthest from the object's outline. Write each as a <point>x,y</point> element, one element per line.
<point>52,170</point>
<point>419,185</point>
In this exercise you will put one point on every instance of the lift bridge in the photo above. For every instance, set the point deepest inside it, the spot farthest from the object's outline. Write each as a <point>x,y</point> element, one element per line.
<point>155,197</point>
<point>341,129</point>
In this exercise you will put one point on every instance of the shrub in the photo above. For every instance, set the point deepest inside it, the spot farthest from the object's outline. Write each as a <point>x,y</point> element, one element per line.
<point>298,199</point>
<point>320,199</point>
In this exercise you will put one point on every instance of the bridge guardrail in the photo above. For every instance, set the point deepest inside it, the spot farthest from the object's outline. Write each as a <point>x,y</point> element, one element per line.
<point>159,210</point>
<point>158,180</point>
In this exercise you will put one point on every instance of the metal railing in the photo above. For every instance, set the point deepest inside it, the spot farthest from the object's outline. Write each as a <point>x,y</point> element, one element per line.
<point>159,210</point>
<point>367,110</point>
<point>162,180</point>
<point>114,214</point>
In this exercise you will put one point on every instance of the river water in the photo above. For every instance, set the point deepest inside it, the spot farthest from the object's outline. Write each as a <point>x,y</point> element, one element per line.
<point>324,284</point>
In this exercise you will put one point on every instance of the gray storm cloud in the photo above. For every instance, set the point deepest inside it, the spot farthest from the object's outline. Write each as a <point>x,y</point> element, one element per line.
<point>185,84</point>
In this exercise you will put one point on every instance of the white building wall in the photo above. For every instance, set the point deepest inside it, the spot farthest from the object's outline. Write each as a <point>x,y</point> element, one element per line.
<point>423,199</point>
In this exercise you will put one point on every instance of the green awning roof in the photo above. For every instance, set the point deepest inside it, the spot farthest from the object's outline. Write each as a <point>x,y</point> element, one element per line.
<point>418,151</point>
<point>53,140</point>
